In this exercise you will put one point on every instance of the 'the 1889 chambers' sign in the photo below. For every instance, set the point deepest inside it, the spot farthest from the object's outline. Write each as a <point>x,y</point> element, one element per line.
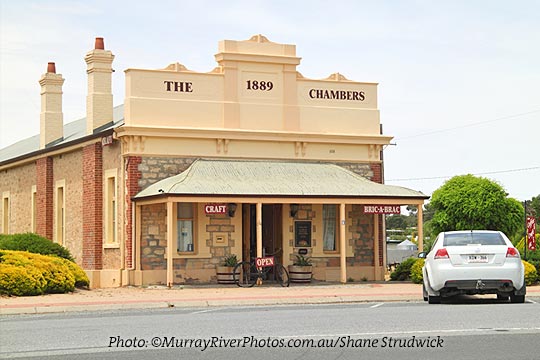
<point>337,94</point>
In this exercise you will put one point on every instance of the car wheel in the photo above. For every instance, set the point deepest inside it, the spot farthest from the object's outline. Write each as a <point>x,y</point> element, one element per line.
<point>434,299</point>
<point>424,292</point>
<point>517,299</point>
<point>502,297</point>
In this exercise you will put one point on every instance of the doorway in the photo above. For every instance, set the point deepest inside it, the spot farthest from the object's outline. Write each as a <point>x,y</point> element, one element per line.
<point>271,231</point>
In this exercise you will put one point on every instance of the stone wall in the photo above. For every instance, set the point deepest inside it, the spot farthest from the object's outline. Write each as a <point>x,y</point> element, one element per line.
<point>153,169</point>
<point>362,230</point>
<point>18,181</point>
<point>153,237</point>
<point>154,244</point>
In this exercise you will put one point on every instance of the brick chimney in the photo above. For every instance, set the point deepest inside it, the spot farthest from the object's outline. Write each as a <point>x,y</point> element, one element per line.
<point>51,119</point>
<point>99,102</point>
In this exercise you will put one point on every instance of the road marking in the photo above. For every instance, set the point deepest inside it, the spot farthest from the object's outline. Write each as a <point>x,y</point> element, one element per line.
<point>376,305</point>
<point>412,332</point>
<point>205,311</point>
<point>532,301</point>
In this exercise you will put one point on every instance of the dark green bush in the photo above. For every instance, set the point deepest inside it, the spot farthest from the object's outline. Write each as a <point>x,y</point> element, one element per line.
<point>536,264</point>
<point>35,244</point>
<point>403,270</point>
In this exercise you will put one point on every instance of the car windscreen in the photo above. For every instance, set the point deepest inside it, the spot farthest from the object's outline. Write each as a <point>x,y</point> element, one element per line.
<point>464,239</point>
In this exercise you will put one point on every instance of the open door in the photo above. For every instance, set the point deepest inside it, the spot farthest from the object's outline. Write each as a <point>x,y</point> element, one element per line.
<point>271,231</point>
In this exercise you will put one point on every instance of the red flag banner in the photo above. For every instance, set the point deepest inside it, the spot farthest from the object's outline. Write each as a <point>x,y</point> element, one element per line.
<point>531,233</point>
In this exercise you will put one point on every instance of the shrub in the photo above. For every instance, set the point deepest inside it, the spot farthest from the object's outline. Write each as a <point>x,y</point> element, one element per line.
<point>536,264</point>
<point>20,281</point>
<point>302,260</point>
<point>36,274</point>
<point>416,271</point>
<point>230,261</point>
<point>530,273</point>
<point>81,279</point>
<point>58,276</point>
<point>35,244</point>
<point>403,270</point>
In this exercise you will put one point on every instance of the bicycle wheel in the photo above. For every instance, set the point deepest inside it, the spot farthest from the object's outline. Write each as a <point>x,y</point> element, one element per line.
<point>282,275</point>
<point>245,274</point>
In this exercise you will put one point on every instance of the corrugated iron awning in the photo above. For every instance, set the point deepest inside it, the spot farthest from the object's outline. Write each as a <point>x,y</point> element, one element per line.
<point>272,178</point>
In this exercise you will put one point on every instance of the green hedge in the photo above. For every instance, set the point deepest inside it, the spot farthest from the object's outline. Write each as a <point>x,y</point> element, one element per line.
<point>35,244</point>
<point>24,273</point>
<point>403,270</point>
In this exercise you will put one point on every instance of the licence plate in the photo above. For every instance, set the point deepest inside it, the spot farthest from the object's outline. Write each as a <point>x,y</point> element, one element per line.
<point>478,258</point>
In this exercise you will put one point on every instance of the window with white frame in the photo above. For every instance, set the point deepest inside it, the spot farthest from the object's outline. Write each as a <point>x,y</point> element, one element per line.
<point>329,227</point>
<point>34,208</point>
<point>5,212</point>
<point>185,228</point>
<point>60,214</point>
<point>111,211</point>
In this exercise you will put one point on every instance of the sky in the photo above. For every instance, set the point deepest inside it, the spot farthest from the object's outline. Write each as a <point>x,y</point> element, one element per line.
<point>459,81</point>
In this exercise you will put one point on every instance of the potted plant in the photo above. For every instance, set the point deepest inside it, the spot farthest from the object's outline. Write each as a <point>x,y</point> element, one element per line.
<point>301,270</point>
<point>225,270</point>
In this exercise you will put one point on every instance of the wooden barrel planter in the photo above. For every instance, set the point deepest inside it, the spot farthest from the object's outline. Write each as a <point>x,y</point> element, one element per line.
<point>300,274</point>
<point>225,275</point>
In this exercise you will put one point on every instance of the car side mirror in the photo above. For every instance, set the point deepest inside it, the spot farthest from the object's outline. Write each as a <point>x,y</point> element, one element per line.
<point>422,255</point>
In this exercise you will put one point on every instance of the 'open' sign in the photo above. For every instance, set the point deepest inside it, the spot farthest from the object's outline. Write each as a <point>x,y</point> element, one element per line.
<point>264,262</point>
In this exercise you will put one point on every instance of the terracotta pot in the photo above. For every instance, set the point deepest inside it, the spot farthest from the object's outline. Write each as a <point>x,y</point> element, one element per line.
<point>300,274</point>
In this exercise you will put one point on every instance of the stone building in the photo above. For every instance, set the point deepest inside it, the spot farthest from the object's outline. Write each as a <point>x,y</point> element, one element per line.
<point>250,158</point>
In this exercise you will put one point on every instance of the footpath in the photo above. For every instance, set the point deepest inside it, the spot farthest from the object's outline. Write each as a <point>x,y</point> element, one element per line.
<point>214,295</point>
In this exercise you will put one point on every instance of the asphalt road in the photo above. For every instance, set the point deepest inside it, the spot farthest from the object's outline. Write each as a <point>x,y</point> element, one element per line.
<point>468,328</point>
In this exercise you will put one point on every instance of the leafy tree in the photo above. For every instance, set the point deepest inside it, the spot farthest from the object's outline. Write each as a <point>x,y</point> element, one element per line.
<point>468,203</point>
<point>428,212</point>
<point>535,205</point>
<point>397,221</point>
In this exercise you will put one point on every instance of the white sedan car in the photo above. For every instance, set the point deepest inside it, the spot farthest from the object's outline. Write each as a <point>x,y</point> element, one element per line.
<point>473,262</point>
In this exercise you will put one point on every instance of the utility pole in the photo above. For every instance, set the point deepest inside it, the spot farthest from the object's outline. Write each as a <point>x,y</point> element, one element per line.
<point>525,244</point>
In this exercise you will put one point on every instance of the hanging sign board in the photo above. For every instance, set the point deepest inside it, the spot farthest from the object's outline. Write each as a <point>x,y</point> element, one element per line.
<point>211,209</point>
<point>382,209</point>
<point>531,233</point>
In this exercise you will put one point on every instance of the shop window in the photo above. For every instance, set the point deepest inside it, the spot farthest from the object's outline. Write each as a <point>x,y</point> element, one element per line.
<point>34,208</point>
<point>111,212</point>
<point>60,212</point>
<point>5,212</point>
<point>185,228</point>
<point>329,227</point>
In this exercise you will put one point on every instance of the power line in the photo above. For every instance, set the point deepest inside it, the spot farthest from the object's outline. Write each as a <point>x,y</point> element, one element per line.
<point>468,125</point>
<point>483,173</point>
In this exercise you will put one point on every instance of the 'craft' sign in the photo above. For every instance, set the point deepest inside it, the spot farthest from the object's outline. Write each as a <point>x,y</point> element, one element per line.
<point>382,209</point>
<point>211,209</point>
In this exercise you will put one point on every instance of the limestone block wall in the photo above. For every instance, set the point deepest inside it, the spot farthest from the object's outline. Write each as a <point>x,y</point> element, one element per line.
<point>18,182</point>
<point>216,236</point>
<point>153,169</point>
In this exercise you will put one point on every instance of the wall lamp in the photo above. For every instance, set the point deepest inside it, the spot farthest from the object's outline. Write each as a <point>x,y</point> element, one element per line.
<point>232,209</point>
<point>294,209</point>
